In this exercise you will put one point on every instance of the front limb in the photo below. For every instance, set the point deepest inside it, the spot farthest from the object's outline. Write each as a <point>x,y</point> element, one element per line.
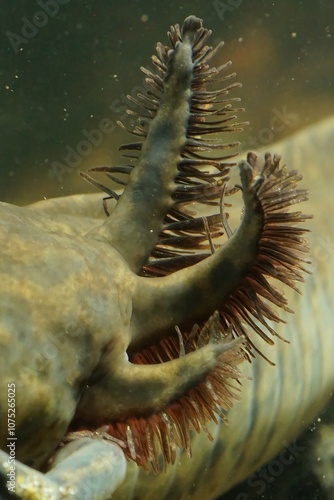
<point>87,468</point>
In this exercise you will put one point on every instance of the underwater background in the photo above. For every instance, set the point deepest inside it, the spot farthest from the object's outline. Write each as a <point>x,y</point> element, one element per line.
<point>62,73</point>
<point>65,75</point>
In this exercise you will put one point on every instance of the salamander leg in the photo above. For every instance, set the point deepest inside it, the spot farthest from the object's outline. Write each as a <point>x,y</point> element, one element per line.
<point>85,468</point>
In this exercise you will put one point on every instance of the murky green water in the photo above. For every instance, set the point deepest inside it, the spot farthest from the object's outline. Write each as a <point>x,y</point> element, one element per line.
<point>63,72</point>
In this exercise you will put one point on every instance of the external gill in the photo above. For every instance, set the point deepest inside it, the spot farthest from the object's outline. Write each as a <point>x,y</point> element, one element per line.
<point>194,292</point>
<point>140,211</point>
<point>147,399</point>
<point>142,390</point>
<point>169,165</point>
<point>237,278</point>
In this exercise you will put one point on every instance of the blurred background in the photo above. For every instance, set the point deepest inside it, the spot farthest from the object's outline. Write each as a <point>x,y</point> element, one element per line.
<point>66,67</point>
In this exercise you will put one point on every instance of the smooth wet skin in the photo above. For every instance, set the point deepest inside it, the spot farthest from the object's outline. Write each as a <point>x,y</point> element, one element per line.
<point>58,311</point>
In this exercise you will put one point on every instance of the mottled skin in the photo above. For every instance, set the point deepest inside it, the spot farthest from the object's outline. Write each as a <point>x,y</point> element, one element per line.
<point>65,283</point>
<point>73,307</point>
